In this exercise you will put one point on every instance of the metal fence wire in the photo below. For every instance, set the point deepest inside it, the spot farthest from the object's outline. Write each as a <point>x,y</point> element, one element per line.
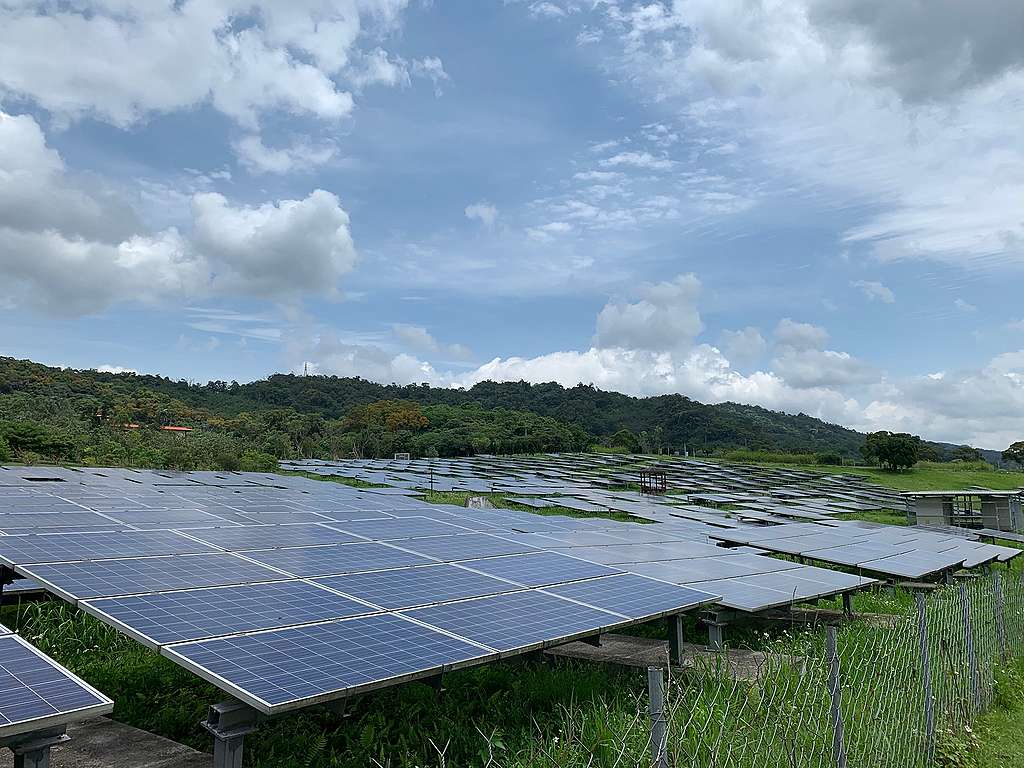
<point>887,692</point>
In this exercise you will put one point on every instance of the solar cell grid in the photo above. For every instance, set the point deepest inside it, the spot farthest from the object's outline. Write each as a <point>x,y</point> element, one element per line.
<point>64,547</point>
<point>517,620</point>
<point>285,669</point>
<point>422,585</point>
<point>173,617</point>
<point>465,546</point>
<point>633,596</point>
<point>396,529</point>
<point>109,578</point>
<point>538,569</point>
<point>337,559</point>
<point>242,538</point>
<point>35,692</point>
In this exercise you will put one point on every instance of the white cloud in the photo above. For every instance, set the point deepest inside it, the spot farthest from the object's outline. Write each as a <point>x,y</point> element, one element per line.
<point>964,306</point>
<point>483,212</point>
<point>664,319</point>
<point>790,333</point>
<point>547,232</point>
<point>903,113</point>
<point>803,368</point>
<point>432,69</point>
<point>114,369</point>
<point>71,248</point>
<point>744,347</point>
<point>419,339</point>
<point>642,160</point>
<point>120,62</point>
<point>875,291</point>
<point>276,250</point>
<point>299,156</point>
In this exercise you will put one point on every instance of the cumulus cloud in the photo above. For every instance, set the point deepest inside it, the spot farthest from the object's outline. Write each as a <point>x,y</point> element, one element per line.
<point>432,69</point>
<point>915,94</point>
<point>419,339</point>
<point>642,160</point>
<point>299,156</point>
<point>120,62</point>
<point>71,247</point>
<point>665,318</point>
<point>483,212</point>
<point>875,291</point>
<point>790,333</point>
<point>744,347</point>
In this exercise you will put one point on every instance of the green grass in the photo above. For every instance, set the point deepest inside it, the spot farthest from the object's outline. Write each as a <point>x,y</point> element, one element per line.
<point>1000,733</point>
<point>928,476</point>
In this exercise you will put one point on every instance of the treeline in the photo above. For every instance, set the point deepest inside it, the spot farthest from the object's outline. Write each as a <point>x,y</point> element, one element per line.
<point>683,424</point>
<point>84,417</point>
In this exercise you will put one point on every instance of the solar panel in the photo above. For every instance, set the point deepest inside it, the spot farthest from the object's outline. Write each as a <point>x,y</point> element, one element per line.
<point>410,587</point>
<point>465,546</point>
<point>173,617</point>
<point>291,668</point>
<point>37,693</point>
<point>64,547</point>
<point>633,596</point>
<point>399,528</point>
<point>516,621</point>
<point>244,538</point>
<point>110,578</point>
<point>337,559</point>
<point>538,569</point>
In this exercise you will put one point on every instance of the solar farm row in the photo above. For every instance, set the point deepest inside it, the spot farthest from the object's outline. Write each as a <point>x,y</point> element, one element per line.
<point>287,592</point>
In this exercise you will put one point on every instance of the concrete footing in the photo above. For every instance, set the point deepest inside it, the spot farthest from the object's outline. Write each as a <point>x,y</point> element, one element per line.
<point>105,743</point>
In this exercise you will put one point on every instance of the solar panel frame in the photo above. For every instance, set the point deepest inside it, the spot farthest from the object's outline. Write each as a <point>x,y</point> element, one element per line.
<point>15,649</point>
<point>418,637</point>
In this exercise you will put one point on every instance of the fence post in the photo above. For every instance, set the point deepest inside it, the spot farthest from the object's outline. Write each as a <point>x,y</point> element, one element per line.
<point>659,724</point>
<point>997,586</point>
<point>834,690</point>
<point>972,657</point>
<point>926,679</point>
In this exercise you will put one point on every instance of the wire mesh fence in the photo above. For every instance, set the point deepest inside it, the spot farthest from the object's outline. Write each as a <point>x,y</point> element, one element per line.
<point>894,693</point>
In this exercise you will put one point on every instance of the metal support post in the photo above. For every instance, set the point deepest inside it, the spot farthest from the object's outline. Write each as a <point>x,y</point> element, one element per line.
<point>32,750</point>
<point>848,605</point>
<point>659,723</point>
<point>1000,609</point>
<point>675,639</point>
<point>972,656</point>
<point>835,692</point>
<point>926,678</point>
<point>230,722</point>
<point>716,629</point>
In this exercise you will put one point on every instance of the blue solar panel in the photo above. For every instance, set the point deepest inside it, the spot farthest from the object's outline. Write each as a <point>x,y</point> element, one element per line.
<point>633,596</point>
<point>409,587</point>
<point>270,536</point>
<point>172,617</point>
<point>466,546</point>
<point>53,520</point>
<point>337,559</point>
<point>516,621</point>
<point>393,529</point>
<point>35,692</point>
<point>538,569</point>
<point>110,578</point>
<point>65,547</point>
<point>290,668</point>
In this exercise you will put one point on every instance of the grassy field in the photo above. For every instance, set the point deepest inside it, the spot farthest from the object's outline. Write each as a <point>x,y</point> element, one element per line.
<point>529,712</point>
<point>927,476</point>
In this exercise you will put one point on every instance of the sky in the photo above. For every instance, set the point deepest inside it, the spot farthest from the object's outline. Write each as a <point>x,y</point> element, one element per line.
<point>815,206</point>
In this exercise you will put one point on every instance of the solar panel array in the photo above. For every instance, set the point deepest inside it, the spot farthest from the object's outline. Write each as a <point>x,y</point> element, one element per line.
<point>37,693</point>
<point>286,592</point>
<point>292,592</point>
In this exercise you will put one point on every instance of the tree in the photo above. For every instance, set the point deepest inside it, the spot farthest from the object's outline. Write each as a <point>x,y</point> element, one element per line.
<point>892,450</point>
<point>966,453</point>
<point>1015,453</point>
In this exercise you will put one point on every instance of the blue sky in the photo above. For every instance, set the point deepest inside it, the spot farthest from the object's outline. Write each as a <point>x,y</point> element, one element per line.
<point>811,205</point>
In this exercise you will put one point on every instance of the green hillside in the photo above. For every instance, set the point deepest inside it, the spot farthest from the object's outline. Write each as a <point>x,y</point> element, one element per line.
<point>89,417</point>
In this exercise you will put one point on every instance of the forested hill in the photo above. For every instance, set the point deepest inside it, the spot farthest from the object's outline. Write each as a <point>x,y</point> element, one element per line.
<point>663,422</point>
<point>682,421</point>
